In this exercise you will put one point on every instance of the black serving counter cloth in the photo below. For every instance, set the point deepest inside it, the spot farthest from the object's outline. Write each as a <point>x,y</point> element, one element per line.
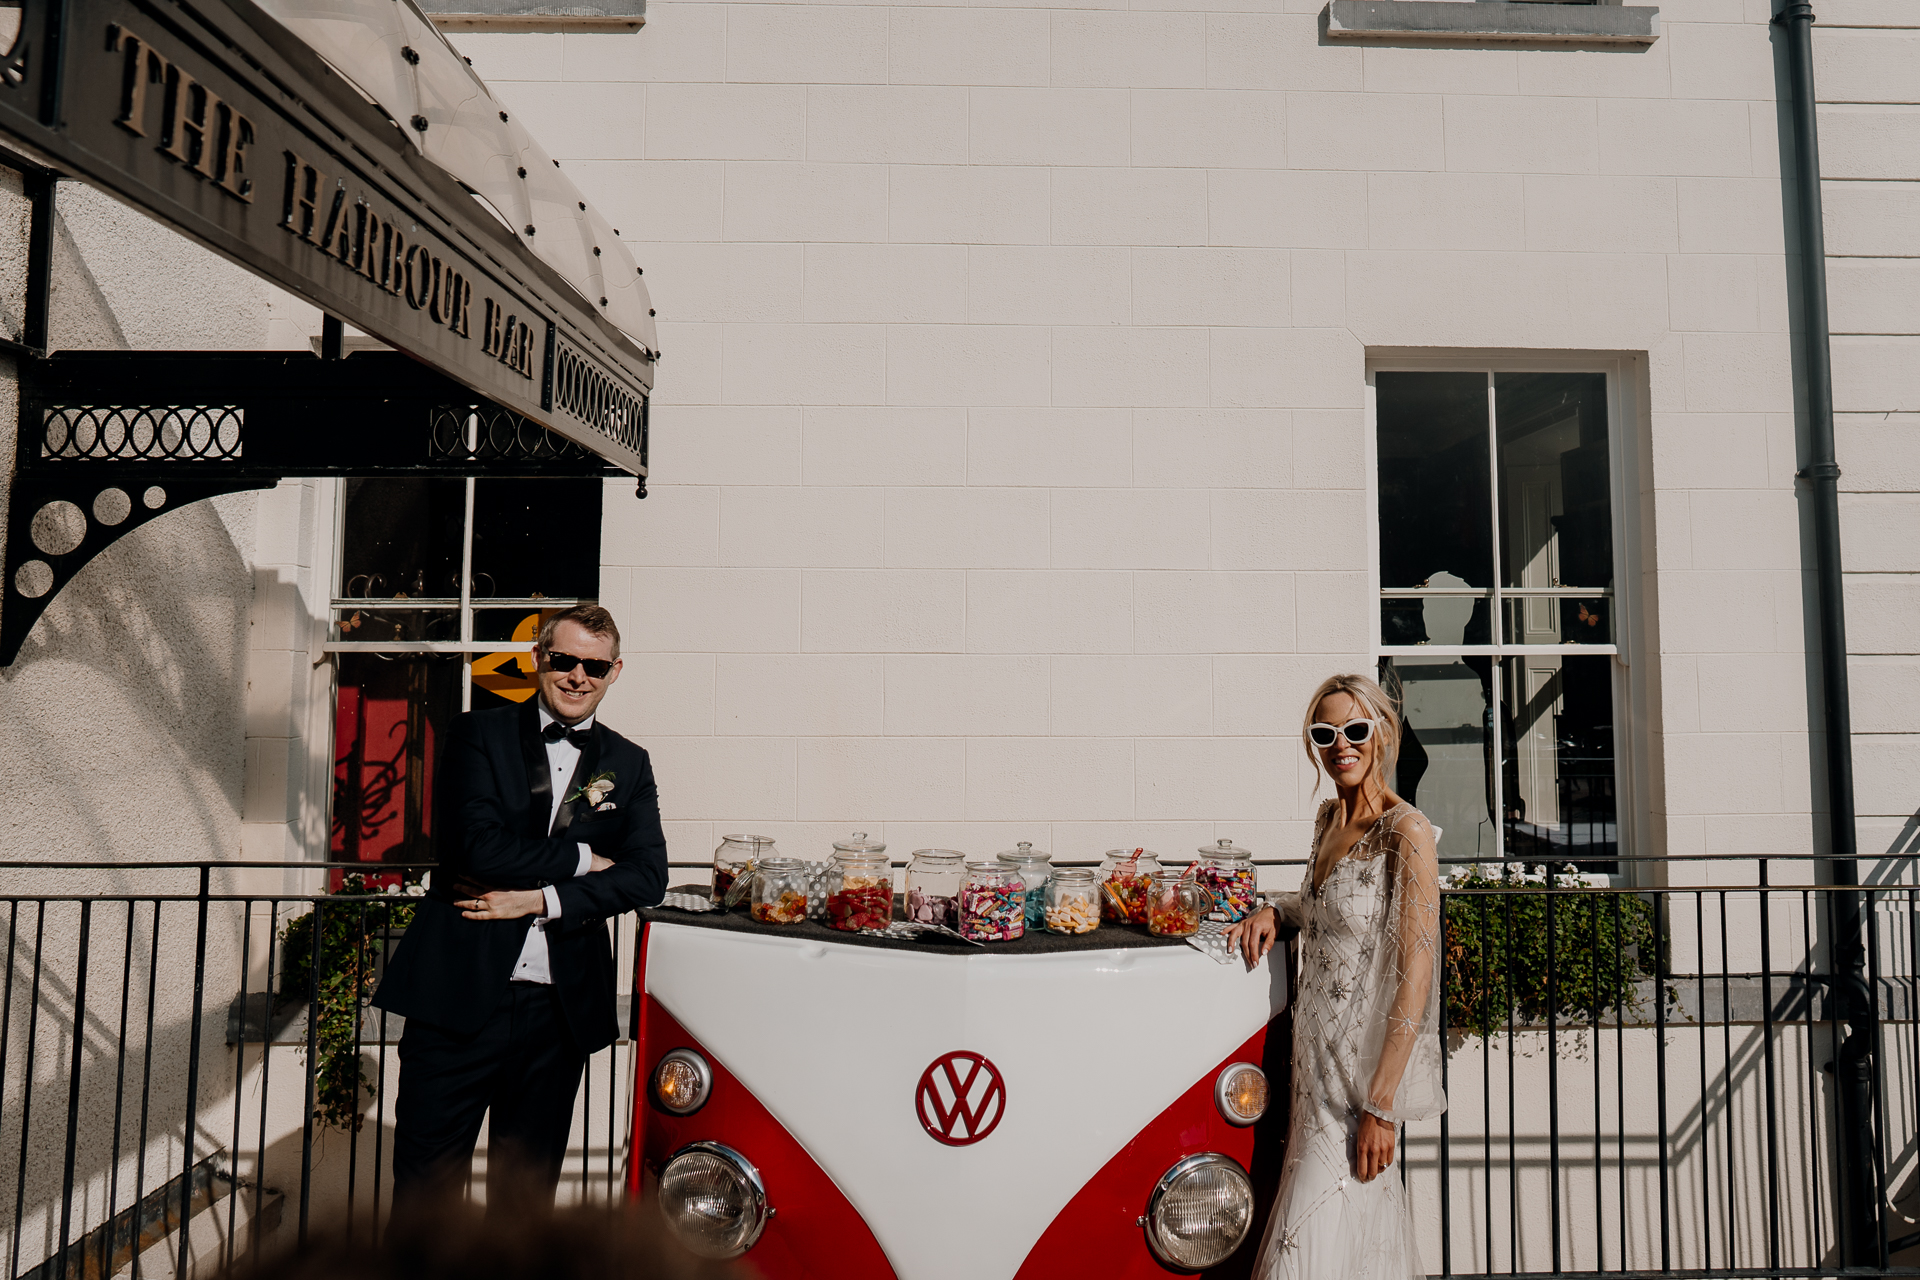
<point>1105,938</point>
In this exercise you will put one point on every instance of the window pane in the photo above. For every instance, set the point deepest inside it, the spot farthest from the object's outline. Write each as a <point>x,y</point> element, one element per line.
<point>401,537</point>
<point>1445,748</point>
<point>372,624</point>
<point>1435,619</point>
<point>1559,784</point>
<point>1435,514</point>
<point>1556,516</point>
<point>388,719</point>
<point>536,538</point>
<point>1561,620</point>
<point>505,676</point>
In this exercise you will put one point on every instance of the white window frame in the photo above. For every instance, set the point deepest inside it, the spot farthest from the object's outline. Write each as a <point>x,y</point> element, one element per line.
<point>465,603</point>
<point>1626,412</point>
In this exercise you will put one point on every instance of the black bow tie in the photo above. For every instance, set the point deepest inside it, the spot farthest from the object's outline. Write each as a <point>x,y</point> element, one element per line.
<point>578,737</point>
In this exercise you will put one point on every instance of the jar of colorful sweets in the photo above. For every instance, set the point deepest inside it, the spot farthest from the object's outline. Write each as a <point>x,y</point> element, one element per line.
<point>1035,869</point>
<point>933,886</point>
<point>1124,877</point>
<point>733,855</point>
<point>780,891</point>
<point>1175,904</point>
<point>1072,901</point>
<point>993,906</point>
<point>862,896</point>
<point>1227,873</point>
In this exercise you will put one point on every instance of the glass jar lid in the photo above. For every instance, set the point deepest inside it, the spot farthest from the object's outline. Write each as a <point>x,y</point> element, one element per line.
<point>857,843</point>
<point>1073,875</point>
<point>991,872</point>
<point>1223,848</point>
<point>755,843</point>
<point>1024,854</point>
<point>942,856</point>
<point>773,865</point>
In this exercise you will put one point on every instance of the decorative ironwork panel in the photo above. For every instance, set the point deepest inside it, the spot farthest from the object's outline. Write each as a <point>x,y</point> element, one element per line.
<point>591,397</point>
<point>478,433</point>
<point>143,433</point>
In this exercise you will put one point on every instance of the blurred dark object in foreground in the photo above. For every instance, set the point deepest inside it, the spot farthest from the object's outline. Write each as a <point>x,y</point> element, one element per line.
<point>457,1240</point>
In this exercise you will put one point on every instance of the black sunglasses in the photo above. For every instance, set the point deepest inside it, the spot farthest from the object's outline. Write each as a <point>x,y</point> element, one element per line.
<point>597,668</point>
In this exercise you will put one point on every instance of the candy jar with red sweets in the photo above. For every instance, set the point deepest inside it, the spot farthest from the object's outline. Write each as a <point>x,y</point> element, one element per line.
<point>1035,869</point>
<point>863,896</point>
<point>933,887</point>
<point>780,891</point>
<point>1175,905</point>
<point>1227,873</point>
<point>993,906</point>
<point>1124,877</point>
<point>733,855</point>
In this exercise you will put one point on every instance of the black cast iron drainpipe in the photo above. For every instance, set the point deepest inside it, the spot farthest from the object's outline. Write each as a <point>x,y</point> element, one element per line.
<point>1863,1242</point>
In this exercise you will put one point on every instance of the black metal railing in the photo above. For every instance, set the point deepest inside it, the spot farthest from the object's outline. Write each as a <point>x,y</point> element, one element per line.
<point>1639,1078</point>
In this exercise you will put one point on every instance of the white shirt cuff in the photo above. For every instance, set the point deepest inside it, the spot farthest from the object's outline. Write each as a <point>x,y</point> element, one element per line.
<point>586,860</point>
<point>553,902</point>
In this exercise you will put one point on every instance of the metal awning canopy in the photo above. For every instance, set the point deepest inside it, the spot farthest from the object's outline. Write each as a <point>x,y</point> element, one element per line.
<point>216,119</point>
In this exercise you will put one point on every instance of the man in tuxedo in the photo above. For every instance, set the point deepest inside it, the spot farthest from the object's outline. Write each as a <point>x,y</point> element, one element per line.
<point>548,826</point>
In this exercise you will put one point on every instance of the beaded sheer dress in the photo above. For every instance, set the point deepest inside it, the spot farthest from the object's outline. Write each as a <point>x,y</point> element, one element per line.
<point>1364,1020</point>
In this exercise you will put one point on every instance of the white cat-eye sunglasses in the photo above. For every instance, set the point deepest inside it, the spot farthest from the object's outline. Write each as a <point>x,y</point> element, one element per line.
<point>1322,734</point>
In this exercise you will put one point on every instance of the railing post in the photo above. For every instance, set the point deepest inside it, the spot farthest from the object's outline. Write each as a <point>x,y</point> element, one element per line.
<point>193,1069</point>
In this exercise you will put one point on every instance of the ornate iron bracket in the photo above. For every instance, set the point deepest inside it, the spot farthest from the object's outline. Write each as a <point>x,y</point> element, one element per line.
<point>109,440</point>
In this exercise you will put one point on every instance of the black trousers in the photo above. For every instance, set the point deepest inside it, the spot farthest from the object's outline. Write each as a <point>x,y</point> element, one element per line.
<point>522,1067</point>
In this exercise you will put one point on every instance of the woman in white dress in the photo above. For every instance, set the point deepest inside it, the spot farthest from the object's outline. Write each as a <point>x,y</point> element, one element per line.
<point>1365,1055</point>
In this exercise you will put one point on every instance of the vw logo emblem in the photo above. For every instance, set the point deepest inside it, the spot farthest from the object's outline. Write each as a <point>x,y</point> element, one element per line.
<point>960,1099</point>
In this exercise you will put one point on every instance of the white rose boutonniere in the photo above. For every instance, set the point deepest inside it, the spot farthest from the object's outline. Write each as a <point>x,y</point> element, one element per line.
<point>594,790</point>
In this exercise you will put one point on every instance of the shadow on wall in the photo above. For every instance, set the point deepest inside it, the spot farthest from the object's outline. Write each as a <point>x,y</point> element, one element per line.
<point>124,713</point>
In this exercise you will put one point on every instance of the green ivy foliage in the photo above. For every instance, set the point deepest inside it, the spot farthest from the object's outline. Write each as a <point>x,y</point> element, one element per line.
<point>1497,950</point>
<point>352,935</point>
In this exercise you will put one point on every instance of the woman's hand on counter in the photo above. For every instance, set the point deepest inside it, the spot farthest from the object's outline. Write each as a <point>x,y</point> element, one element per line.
<point>1255,935</point>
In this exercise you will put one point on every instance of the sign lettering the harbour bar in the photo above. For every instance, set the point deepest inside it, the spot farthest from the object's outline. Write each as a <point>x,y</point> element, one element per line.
<point>242,139</point>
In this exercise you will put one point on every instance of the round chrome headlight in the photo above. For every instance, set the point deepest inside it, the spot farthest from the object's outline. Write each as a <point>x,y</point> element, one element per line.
<point>1200,1212</point>
<point>1241,1093</point>
<point>714,1200</point>
<point>682,1082</point>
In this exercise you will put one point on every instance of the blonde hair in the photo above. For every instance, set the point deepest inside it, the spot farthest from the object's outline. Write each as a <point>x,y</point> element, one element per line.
<point>1379,704</point>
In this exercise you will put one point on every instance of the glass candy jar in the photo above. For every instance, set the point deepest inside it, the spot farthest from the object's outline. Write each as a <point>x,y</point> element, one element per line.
<point>1124,878</point>
<point>933,886</point>
<point>780,891</point>
<point>731,858</point>
<point>1175,905</point>
<point>1072,901</point>
<point>862,894</point>
<point>1227,873</point>
<point>993,905</point>
<point>1035,870</point>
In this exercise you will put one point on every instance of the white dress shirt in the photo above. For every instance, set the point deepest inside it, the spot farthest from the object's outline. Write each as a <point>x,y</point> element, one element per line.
<point>562,757</point>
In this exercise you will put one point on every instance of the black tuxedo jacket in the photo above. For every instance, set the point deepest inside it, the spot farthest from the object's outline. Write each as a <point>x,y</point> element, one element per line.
<point>492,793</point>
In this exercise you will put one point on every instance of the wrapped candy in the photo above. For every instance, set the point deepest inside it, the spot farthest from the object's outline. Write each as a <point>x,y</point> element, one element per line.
<point>1227,873</point>
<point>993,903</point>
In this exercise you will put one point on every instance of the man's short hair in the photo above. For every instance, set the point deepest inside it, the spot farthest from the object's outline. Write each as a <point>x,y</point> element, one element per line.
<point>591,616</point>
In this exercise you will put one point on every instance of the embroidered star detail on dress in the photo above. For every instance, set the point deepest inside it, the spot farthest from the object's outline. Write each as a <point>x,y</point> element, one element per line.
<point>1339,991</point>
<point>1366,876</point>
<point>1289,1238</point>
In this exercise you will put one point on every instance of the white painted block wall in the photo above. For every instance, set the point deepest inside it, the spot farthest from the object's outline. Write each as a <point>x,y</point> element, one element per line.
<point>1009,440</point>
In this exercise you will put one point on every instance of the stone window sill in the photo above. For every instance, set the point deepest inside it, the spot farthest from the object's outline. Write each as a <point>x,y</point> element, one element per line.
<point>1451,20</point>
<point>540,15</point>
